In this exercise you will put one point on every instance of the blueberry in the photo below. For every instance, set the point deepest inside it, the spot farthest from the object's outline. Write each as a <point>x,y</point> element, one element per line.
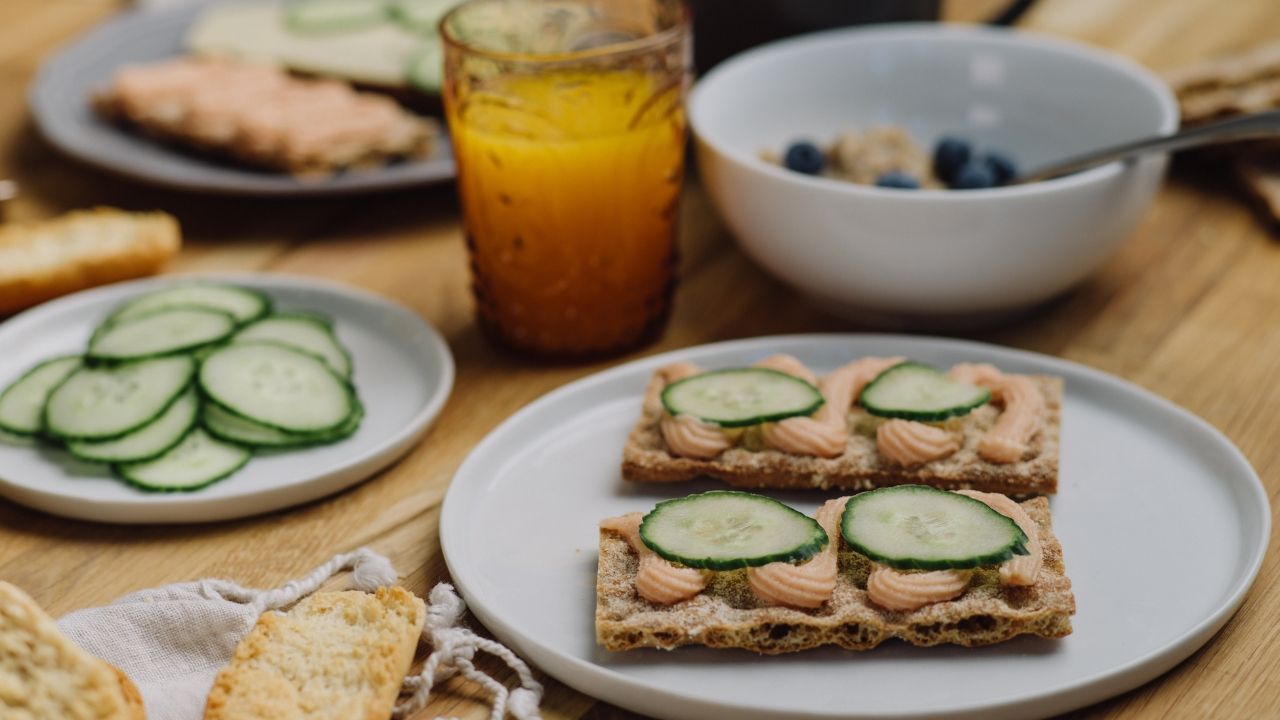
<point>974,176</point>
<point>949,156</point>
<point>898,179</point>
<point>804,157</point>
<point>1002,166</point>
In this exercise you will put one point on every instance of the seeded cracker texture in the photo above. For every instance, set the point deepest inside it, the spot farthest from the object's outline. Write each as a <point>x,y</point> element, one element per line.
<point>645,457</point>
<point>728,615</point>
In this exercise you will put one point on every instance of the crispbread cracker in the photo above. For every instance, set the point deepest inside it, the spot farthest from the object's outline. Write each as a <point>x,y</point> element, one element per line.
<point>45,675</point>
<point>333,656</point>
<point>645,457</point>
<point>1225,86</point>
<point>728,615</point>
<point>82,249</point>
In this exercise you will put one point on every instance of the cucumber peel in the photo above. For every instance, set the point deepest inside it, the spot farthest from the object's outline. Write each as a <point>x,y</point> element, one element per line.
<point>738,397</point>
<point>915,391</point>
<point>917,527</point>
<point>728,529</point>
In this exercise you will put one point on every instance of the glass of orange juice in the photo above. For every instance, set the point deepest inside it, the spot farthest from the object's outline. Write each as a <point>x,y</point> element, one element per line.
<point>568,127</point>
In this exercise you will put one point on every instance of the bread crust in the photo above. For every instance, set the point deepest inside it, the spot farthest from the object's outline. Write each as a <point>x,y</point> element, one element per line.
<point>333,656</point>
<point>645,457</point>
<point>85,248</point>
<point>728,615</point>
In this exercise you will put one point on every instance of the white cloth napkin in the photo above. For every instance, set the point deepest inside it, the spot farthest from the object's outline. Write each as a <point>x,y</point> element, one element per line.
<point>172,640</point>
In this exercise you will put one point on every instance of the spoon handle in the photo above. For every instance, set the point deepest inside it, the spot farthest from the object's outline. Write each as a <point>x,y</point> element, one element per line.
<point>1246,127</point>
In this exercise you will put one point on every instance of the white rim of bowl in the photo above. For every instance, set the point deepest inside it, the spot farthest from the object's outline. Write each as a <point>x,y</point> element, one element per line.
<point>924,31</point>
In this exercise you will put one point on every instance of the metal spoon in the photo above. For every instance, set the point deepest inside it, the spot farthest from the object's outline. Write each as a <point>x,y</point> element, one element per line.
<point>1246,127</point>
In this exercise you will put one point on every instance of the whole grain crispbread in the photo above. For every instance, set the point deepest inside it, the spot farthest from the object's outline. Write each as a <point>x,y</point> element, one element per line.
<point>333,656</point>
<point>728,615</point>
<point>645,457</point>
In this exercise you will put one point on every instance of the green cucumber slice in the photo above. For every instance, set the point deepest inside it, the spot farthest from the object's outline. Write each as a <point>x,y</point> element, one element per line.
<point>224,425</point>
<point>727,529</point>
<point>22,403</point>
<point>422,15</point>
<point>241,303</point>
<point>150,441</point>
<point>924,528</point>
<point>737,397</point>
<point>199,460</point>
<point>277,386</point>
<point>426,68</point>
<point>166,331</point>
<point>327,16</point>
<point>303,331</point>
<point>914,391</point>
<point>103,403</point>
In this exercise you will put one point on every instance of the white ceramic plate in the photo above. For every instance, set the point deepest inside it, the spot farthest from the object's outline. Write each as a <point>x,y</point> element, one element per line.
<point>1163,522</point>
<point>403,372</point>
<point>59,100</point>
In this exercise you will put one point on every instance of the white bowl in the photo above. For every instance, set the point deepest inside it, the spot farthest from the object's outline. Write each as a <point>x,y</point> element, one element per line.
<point>864,251</point>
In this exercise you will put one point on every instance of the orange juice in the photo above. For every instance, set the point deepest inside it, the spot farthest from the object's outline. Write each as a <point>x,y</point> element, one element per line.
<point>570,184</point>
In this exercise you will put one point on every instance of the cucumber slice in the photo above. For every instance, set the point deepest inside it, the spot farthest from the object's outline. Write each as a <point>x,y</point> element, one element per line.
<point>197,461</point>
<point>914,391</point>
<point>167,331</point>
<point>727,529</point>
<point>224,425</point>
<point>422,15</point>
<point>737,397</point>
<point>277,386</point>
<point>923,528</point>
<point>104,403</point>
<point>241,303</point>
<point>22,403</point>
<point>150,441</point>
<point>426,68</point>
<point>327,16</point>
<point>302,331</point>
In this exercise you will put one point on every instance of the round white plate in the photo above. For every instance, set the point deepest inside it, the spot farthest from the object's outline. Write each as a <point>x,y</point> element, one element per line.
<point>1163,522</point>
<point>403,372</point>
<point>59,100</point>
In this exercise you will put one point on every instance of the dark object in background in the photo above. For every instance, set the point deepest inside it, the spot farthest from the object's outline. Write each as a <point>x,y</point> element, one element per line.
<point>727,27</point>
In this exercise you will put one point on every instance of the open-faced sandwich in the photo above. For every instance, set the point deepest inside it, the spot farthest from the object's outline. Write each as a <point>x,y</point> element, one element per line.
<point>732,569</point>
<point>260,115</point>
<point>870,423</point>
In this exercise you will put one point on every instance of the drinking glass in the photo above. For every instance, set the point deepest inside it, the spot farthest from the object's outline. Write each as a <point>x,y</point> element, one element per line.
<point>568,128</point>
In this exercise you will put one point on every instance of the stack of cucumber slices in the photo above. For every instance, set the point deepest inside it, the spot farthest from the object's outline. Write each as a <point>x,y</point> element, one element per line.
<point>741,397</point>
<point>909,527</point>
<point>330,17</point>
<point>176,388</point>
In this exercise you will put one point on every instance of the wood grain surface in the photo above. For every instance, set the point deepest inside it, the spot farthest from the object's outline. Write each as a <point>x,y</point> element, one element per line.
<point>1189,308</point>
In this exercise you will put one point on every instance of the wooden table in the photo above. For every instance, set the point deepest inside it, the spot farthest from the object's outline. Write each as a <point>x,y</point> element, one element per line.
<point>1190,308</point>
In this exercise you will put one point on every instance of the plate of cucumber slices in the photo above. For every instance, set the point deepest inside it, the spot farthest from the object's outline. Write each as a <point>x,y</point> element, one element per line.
<point>190,399</point>
<point>1163,526</point>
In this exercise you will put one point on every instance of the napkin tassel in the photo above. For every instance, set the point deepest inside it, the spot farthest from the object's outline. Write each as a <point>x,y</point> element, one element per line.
<point>453,650</point>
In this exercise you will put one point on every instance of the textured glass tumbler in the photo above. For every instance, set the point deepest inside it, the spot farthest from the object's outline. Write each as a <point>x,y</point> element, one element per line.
<point>568,127</point>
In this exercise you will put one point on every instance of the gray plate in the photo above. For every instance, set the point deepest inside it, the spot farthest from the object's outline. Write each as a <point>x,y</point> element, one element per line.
<point>59,101</point>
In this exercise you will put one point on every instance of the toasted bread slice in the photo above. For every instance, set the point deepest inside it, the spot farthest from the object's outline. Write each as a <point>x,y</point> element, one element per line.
<point>645,457</point>
<point>82,249</point>
<point>333,656</point>
<point>43,675</point>
<point>728,615</point>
